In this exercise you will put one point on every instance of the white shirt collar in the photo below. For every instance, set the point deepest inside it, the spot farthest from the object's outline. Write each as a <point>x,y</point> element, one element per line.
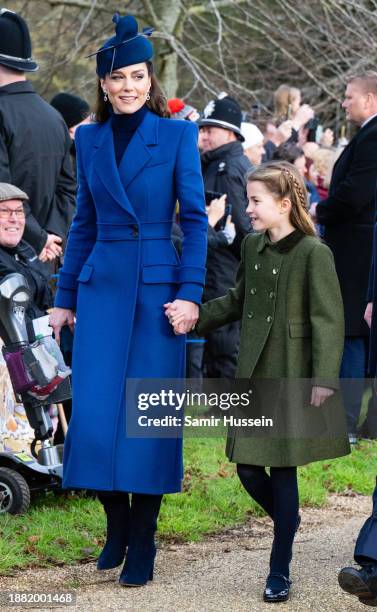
<point>367,120</point>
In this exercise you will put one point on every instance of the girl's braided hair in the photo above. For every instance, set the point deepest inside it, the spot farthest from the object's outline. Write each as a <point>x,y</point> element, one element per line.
<point>283,180</point>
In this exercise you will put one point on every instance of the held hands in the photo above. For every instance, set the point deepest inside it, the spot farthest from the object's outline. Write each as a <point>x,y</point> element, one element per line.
<point>182,315</point>
<point>320,395</point>
<point>60,317</point>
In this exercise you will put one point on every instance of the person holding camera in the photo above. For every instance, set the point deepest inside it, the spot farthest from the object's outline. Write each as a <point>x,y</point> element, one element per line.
<point>224,167</point>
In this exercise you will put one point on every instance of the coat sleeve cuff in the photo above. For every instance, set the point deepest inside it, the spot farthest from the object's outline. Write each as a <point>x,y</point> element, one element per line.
<point>67,281</point>
<point>328,383</point>
<point>66,298</point>
<point>192,275</point>
<point>192,292</point>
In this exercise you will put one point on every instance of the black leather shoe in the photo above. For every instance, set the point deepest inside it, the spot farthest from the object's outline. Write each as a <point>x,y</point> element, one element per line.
<point>272,595</point>
<point>360,582</point>
<point>369,602</point>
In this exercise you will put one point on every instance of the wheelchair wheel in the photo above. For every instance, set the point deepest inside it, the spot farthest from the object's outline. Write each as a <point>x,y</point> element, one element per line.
<point>14,492</point>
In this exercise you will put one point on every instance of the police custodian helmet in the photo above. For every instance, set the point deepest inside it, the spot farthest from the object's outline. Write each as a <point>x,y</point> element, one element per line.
<point>224,112</point>
<point>15,43</point>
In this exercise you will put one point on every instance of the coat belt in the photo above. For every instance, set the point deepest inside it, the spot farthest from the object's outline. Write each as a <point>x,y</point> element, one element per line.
<point>134,231</point>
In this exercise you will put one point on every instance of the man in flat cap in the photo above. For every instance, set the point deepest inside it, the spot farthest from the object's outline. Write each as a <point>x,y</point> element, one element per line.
<point>34,144</point>
<point>16,255</point>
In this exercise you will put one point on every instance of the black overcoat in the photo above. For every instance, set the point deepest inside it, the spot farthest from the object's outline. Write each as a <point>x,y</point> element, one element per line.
<point>34,155</point>
<point>224,170</point>
<point>348,215</point>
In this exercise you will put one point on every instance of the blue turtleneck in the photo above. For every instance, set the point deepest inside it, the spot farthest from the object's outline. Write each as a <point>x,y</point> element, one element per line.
<point>124,126</point>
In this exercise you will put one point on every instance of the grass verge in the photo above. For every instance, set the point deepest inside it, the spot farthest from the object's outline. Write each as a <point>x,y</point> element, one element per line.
<point>68,529</point>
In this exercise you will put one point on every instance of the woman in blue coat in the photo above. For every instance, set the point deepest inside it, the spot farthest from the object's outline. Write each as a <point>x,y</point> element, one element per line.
<point>120,268</point>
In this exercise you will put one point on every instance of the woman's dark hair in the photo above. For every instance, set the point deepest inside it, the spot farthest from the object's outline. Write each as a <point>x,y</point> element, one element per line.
<point>157,103</point>
<point>289,152</point>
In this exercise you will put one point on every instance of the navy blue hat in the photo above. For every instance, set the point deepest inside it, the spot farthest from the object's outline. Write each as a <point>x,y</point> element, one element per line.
<point>127,47</point>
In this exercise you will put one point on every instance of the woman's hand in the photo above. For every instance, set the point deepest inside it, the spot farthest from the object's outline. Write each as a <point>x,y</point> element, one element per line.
<point>182,315</point>
<point>285,130</point>
<point>368,314</point>
<point>320,395</point>
<point>303,115</point>
<point>216,210</point>
<point>60,317</point>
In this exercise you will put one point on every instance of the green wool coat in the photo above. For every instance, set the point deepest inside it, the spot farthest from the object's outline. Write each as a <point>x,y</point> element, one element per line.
<point>288,297</point>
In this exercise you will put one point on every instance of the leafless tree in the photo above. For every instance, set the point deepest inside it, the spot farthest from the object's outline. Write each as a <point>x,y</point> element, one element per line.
<point>245,47</point>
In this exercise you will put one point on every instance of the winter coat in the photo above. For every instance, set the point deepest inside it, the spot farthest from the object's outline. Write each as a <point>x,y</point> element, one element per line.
<point>224,170</point>
<point>34,156</point>
<point>288,298</point>
<point>120,268</point>
<point>23,259</point>
<point>348,215</point>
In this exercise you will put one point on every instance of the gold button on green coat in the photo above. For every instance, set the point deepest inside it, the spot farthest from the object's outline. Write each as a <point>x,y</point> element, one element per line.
<point>304,339</point>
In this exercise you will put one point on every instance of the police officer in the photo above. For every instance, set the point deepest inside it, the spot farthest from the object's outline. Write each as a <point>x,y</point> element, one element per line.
<point>224,167</point>
<point>34,144</point>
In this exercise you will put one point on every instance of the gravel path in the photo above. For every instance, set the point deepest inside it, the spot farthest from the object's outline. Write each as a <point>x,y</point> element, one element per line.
<point>225,572</point>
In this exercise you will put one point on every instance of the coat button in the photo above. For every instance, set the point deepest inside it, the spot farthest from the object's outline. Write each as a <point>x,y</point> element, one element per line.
<point>253,291</point>
<point>257,266</point>
<point>271,295</point>
<point>269,319</point>
<point>275,270</point>
<point>135,231</point>
<point>250,315</point>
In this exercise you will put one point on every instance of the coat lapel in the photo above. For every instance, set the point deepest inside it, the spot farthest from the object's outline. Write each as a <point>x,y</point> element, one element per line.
<point>138,152</point>
<point>105,166</point>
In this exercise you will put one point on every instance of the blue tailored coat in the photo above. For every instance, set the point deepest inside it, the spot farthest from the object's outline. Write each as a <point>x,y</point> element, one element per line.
<point>120,267</point>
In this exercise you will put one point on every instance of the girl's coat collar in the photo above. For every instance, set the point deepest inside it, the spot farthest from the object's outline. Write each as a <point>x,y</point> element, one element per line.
<point>282,246</point>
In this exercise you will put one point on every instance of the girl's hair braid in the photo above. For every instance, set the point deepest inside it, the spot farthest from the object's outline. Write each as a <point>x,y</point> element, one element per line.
<point>283,180</point>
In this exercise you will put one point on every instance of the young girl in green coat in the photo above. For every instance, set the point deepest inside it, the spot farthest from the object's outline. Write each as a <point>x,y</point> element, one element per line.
<point>288,297</point>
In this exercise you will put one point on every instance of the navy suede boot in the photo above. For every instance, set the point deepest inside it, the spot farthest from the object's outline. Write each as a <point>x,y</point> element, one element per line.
<point>117,508</point>
<point>141,551</point>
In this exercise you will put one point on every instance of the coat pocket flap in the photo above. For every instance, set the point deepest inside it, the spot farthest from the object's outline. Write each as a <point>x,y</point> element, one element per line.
<point>300,330</point>
<point>163,273</point>
<point>85,274</point>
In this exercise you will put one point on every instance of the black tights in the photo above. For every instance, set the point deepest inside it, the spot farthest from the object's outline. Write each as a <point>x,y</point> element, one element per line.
<point>141,513</point>
<point>277,493</point>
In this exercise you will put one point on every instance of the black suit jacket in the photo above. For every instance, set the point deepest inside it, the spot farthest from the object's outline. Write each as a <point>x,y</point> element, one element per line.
<point>348,217</point>
<point>34,155</point>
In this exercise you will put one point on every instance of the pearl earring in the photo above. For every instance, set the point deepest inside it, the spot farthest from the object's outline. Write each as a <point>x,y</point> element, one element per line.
<point>148,96</point>
<point>105,96</point>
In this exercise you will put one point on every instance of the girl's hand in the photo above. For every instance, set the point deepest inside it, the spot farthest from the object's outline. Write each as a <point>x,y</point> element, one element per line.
<point>320,395</point>
<point>182,315</point>
<point>60,317</point>
<point>368,314</point>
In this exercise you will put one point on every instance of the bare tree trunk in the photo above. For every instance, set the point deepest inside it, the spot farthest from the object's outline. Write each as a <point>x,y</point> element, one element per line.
<point>167,15</point>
